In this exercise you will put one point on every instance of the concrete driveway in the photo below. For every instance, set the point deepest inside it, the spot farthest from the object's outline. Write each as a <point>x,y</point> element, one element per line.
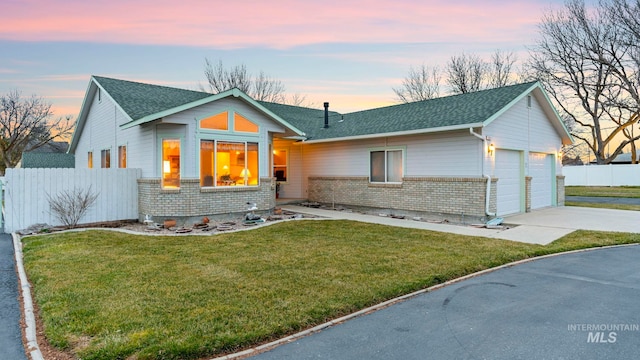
<point>546,225</point>
<point>574,306</point>
<point>537,227</point>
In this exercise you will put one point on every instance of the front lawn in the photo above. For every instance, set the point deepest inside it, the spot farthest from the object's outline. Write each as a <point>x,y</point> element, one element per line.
<point>110,295</point>
<point>606,191</point>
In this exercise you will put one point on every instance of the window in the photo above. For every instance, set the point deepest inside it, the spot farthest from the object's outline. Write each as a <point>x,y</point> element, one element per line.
<point>220,122</point>
<point>240,123</point>
<point>225,163</point>
<point>216,122</point>
<point>122,156</point>
<point>90,160</point>
<point>280,161</point>
<point>386,166</point>
<point>105,158</point>
<point>171,163</point>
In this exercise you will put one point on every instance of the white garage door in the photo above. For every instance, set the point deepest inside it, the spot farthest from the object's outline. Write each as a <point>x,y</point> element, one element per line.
<point>541,172</point>
<point>508,171</point>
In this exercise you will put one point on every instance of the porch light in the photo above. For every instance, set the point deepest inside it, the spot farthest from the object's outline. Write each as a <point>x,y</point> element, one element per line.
<point>491,149</point>
<point>166,167</point>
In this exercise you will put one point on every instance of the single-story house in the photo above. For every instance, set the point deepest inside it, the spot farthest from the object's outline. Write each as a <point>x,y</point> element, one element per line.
<point>482,154</point>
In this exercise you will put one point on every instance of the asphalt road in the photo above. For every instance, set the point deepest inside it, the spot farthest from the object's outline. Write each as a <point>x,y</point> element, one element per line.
<point>575,306</point>
<point>10,336</point>
<point>604,200</point>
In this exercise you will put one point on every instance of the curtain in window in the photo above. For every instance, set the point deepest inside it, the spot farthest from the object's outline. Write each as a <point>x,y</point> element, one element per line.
<point>394,166</point>
<point>377,166</point>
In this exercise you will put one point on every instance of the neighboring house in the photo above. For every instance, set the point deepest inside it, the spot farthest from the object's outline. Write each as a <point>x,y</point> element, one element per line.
<point>34,159</point>
<point>50,155</point>
<point>483,154</point>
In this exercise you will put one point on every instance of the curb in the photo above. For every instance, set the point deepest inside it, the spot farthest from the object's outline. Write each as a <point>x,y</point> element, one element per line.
<point>29,317</point>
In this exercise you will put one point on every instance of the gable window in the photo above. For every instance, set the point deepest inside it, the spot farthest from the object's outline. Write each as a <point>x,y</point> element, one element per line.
<point>171,163</point>
<point>280,162</point>
<point>90,160</point>
<point>229,121</point>
<point>122,156</point>
<point>216,122</point>
<point>105,158</point>
<point>240,123</point>
<point>225,163</point>
<point>386,166</point>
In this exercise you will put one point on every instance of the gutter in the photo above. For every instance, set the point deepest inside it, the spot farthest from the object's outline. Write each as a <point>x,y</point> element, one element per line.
<point>487,201</point>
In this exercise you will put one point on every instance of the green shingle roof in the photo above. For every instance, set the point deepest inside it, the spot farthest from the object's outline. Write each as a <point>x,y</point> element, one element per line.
<point>456,110</point>
<point>139,100</point>
<point>47,160</point>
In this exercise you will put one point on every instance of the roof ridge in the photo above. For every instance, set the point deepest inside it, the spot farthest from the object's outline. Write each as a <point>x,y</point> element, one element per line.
<point>98,77</point>
<point>446,97</point>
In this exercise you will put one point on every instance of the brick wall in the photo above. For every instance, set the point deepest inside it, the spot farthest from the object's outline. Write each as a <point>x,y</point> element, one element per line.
<point>560,189</point>
<point>527,193</point>
<point>423,194</point>
<point>193,201</point>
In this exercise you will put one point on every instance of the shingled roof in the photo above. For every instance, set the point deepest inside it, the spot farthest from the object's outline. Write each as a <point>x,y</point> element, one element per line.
<point>139,100</point>
<point>441,113</point>
<point>145,102</point>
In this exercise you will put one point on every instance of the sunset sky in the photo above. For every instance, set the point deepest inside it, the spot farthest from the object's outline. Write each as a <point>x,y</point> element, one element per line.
<point>350,53</point>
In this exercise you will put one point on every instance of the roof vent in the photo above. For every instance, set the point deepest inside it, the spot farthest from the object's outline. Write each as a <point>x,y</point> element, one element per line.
<point>326,115</point>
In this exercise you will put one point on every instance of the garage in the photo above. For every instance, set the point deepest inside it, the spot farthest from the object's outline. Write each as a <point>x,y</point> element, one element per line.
<point>541,172</point>
<point>508,170</point>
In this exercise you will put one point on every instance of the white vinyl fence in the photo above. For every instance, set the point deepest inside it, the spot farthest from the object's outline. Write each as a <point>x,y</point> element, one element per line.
<point>27,192</point>
<point>602,175</point>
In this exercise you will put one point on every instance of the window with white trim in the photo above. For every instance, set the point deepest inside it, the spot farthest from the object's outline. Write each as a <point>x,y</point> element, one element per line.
<point>386,166</point>
<point>105,158</point>
<point>280,164</point>
<point>228,163</point>
<point>122,156</point>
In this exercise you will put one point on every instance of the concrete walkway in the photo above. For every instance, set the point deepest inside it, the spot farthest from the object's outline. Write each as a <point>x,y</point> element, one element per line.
<point>537,227</point>
<point>10,336</point>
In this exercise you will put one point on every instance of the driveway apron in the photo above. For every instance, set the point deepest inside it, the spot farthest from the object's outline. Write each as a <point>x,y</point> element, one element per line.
<point>10,336</point>
<point>574,306</point>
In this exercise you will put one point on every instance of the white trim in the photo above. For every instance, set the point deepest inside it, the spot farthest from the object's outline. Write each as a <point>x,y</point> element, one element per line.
<point>399,133</point>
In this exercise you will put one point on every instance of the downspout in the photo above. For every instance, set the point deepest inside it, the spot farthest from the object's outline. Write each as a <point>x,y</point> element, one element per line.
<point>487,201</point>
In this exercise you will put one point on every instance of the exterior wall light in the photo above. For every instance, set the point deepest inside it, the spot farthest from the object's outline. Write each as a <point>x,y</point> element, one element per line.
<point>491,149</point>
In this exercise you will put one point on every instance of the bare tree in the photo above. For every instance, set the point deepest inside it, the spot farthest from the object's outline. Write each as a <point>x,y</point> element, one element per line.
<point>422,83</point>
<point>466,73</point>
<point>584,66</point>
<point>501,69</point>
<point>261,88</point>
<point>266,88</point>
<point>27,124</point>
<point>70,206</point>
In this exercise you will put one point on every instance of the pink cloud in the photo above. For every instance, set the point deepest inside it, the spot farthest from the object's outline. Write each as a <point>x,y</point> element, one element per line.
<point>279,24</point>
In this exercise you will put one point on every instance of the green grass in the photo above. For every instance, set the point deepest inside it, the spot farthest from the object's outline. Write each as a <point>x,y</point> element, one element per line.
<point>604,206</point>
<point>606,191</point>
<point>109,295</point>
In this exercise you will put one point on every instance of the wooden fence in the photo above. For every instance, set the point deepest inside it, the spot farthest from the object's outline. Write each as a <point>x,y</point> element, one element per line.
<point>27,193</point>
<point>602,175</point>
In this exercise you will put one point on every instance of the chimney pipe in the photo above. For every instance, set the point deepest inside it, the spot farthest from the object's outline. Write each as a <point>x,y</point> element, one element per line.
<point>326,115</point>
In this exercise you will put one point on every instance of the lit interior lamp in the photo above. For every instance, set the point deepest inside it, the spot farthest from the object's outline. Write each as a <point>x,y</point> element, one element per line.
<point>245,173</point>
<point>166,167</point>
<point>491,149</point>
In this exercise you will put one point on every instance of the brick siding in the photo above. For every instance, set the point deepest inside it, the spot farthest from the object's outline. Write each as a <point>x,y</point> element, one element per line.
<point>560,189</point>
<point>442,195</point>
<point>191,201</point>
